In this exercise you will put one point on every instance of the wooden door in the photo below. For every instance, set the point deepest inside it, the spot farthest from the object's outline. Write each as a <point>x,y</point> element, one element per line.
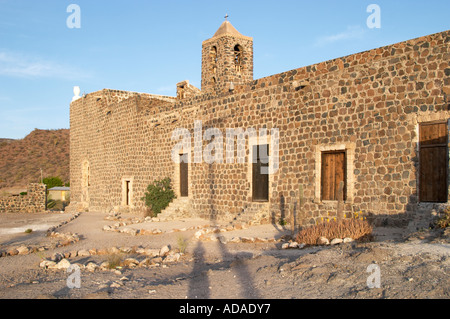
<point>127,193</point>
<point>333,173</point>
<point>260,173</point>
<point>433,165</point>
<point>184,177</point>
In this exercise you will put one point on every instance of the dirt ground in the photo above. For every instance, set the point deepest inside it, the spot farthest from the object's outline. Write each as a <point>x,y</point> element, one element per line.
<point>395,266</point>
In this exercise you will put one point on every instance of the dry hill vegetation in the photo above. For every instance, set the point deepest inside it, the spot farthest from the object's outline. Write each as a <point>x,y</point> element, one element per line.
<point>21,160</point>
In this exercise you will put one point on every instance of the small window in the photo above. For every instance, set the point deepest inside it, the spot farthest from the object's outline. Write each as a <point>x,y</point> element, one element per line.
<point>127,190</point>
<point>260,173</point>
<point>213,54</point>
<point>238,57</point>
<point>333,174</point>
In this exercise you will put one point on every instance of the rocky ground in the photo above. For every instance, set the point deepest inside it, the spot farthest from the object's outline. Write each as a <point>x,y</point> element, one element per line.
<point>396,265</point>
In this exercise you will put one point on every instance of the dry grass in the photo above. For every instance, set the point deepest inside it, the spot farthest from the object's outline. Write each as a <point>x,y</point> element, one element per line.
<point>444,221</point>
<point>357,229</point>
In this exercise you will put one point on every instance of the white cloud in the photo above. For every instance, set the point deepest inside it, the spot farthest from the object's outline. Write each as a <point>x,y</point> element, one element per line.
<point>352,32</point>
<point>19,65</point>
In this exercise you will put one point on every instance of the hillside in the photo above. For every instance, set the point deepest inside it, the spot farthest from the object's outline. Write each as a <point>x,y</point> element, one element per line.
<point>21,160</point>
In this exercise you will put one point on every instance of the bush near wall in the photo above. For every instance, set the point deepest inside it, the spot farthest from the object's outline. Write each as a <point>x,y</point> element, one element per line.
<point>158,196</point>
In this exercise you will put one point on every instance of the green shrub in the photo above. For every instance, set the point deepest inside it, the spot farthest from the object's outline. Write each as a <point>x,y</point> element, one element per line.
<point>24,193</point>
<point>158,196</point>
<point>52,182</point>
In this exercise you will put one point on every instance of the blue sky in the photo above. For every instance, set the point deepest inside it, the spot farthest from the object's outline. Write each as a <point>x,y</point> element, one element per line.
<point>149,46</point>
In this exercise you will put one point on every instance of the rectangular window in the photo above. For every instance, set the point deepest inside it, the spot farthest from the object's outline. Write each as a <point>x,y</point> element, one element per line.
<point>333,174</point>
<point>433,165</point>
<point>260,173</point>
<point>184,175</point>
<point>127,192</point>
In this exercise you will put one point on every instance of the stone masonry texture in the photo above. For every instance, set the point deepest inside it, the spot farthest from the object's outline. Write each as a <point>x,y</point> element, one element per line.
<point>369,104</point>
<point>34,202</point>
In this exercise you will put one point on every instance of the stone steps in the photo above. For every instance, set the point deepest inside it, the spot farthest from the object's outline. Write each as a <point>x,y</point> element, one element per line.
<point>178,208</point>
<point>254,214</point>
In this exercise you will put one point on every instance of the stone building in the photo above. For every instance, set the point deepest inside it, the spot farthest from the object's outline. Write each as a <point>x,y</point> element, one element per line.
<point>363,133</point>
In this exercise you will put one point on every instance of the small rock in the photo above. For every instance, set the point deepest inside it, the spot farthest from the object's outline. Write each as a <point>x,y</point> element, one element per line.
<point>285,246</point>
<point>293,244</point>
<point>337,241</point>
<point>13,252</point>
<point>83,253</point>
<point>130,262</point>
<point>63,264</point>
<point>115,285</point>
<point>164,250</point>
<point>47,264</point>
<point>124,278</point>
<point>348,240</point>
<point>23,250</point>
<point>324,241</point>
<point>145,262</point>
<point>107,228</point>
<point>151,252</point>
<point>113,250</point>
<point>127,250</point>
<point>301,246</point>
<point>247,239</point>
<point>91,266</point>
<point>152,291</point>
<point>102,251</point>
<point>172,258</point>
<point>198,234</point>
<point>104,265</point>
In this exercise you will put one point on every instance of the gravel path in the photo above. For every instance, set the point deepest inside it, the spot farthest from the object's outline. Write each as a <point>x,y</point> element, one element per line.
<point>415,268</point>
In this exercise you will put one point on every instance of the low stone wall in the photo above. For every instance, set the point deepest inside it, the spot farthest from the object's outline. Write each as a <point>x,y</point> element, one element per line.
<point>34,202</point>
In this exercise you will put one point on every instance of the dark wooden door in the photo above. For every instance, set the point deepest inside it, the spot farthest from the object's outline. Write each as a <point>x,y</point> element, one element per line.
<point>184,177</point>
<point>127,192</point>
<point>433,165</point>
<point>260,173</point>
<point>333,173</point>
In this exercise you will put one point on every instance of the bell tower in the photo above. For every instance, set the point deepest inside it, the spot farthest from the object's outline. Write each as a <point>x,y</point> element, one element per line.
<point>227,59</point>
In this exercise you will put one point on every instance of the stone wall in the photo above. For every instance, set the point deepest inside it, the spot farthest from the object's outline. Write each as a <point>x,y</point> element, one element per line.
<point>34,202</point>
<point>369,104</point>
